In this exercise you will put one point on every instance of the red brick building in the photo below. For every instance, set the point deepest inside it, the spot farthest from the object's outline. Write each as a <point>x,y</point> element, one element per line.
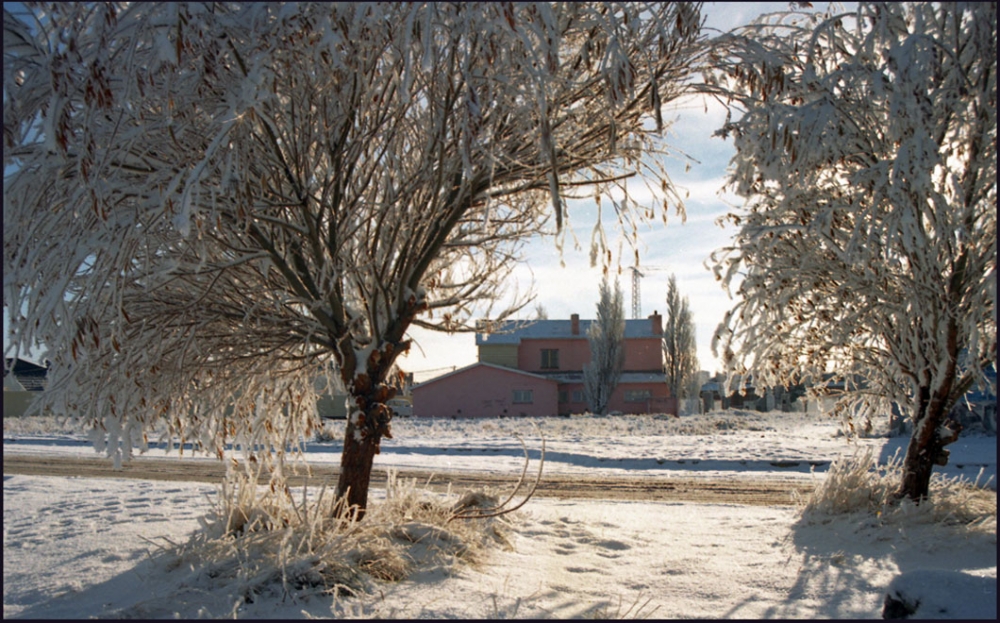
<point>536,368</point>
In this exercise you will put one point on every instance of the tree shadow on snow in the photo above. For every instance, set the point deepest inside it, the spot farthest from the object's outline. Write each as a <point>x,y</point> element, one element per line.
<point>146,591</point>
<point>157,588</point>
<point>846,562</point>
<point>664,463</point>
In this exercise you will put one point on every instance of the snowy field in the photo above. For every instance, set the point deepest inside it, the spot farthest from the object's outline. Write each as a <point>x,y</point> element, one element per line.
<point>93,547</point>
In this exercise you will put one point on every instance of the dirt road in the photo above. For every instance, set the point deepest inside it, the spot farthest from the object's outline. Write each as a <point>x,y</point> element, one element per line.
<point>757,492</point>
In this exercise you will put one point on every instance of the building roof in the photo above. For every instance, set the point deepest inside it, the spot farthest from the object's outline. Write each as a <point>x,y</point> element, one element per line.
<point>23,366</point>
<point>30,376</point>
<point>484,364</point>
<point>513,331</point>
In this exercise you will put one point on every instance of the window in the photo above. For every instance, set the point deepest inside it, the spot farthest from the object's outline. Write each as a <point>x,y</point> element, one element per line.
<point>523,396</point>
<point>637,395</point>
<point>550,359</point>
<point>577,395</point>
<point>563,396</point>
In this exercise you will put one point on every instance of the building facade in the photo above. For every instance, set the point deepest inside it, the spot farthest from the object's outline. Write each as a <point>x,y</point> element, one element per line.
<point>536,368</point>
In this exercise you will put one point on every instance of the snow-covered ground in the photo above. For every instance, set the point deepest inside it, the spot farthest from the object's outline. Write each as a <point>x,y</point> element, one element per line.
<point>86,547</point>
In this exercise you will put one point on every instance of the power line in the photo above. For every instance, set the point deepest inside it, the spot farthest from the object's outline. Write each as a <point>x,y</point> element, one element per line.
<point>452,368</point>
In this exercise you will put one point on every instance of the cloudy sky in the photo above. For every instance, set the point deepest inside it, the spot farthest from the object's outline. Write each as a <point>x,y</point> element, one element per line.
<point>571,285</point>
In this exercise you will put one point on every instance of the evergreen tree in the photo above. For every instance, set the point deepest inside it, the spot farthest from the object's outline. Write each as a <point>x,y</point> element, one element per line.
<point>607,349</point>
<point>680,353</point>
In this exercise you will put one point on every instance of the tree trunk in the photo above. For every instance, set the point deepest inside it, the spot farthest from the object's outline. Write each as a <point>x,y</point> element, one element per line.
<point>932,431</point>
<point>366,426</point>
<point>356,468</point>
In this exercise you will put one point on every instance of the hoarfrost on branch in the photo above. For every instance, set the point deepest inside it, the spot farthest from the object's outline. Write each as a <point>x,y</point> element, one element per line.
<point>208,205</point>
<point>866,149</point>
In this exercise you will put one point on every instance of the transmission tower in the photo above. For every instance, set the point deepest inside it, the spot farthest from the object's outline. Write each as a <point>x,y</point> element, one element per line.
<point>637,276</point>
<point>636,296</point>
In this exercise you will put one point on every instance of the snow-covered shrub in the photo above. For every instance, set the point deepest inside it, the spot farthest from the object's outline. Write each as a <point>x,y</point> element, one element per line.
<point>260,540</point>
<point>328,434</point>
<point>34,425</point>
<point>855,483</point>
<point>858,484</point>
<point>46,424</point>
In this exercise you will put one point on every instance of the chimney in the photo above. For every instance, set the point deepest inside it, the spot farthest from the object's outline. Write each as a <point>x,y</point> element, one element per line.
<point>657,323</point>
<point>574,323</point>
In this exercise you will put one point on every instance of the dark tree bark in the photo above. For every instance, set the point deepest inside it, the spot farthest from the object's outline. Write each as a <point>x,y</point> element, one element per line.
<point>367,425</point>
<point>933,431</point>
<point>355,470</point>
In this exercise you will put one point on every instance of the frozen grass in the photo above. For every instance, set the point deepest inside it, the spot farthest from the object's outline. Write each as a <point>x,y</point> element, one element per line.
<point>329,434</point>
<point>40,425</point>
<point>260,541</point>
<point>858,485</point>
<point>584,426</point>
<point>578,425</point>
<point>639,608</point>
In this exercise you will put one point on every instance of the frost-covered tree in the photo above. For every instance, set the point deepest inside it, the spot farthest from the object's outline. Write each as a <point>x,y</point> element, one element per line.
<point>206,205</point>
<point>867,247</point>
<point>606,336</point>
<point>680,352</point>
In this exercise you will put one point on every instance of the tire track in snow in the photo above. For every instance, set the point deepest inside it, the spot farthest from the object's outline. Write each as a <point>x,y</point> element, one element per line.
<point>755,492</point>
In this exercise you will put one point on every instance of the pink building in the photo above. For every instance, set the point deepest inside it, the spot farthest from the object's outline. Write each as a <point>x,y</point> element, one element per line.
<point>536,368</point>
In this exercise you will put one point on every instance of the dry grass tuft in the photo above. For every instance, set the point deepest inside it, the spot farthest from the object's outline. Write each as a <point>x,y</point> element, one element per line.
<point>638,609</point>
<point>261,541</point>
<point>858,484</point>
<point>328,434</point>
<point>383,560</point>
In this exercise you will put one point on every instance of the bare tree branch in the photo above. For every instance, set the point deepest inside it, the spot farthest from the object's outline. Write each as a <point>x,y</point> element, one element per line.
<point>502,508</point>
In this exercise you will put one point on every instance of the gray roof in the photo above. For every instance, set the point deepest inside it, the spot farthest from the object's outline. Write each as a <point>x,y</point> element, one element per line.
<point>31,376</point>
<point>484,365</point>
<point>513,331</point>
